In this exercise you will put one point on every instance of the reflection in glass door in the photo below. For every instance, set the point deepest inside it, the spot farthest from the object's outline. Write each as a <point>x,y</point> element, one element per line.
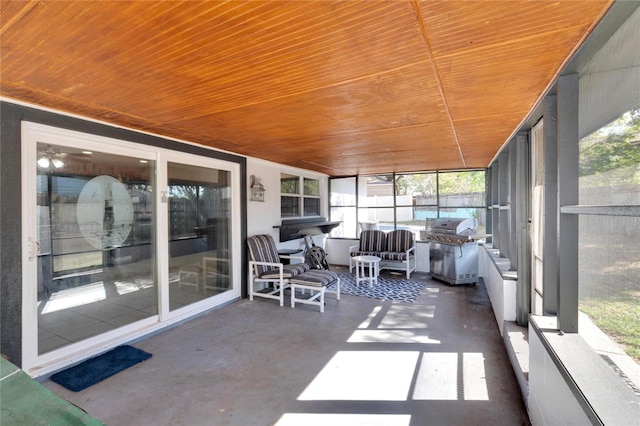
<point>199,204</point>
<point>96,260</point>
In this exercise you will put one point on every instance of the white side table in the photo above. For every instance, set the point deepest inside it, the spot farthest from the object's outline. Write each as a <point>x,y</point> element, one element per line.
<point>361,262</point>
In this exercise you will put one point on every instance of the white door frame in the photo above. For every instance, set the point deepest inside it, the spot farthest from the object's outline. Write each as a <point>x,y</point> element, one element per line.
<point>32,133</point>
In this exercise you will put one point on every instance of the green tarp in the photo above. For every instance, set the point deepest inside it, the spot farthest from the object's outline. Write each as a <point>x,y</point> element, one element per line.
<point>24,401</point>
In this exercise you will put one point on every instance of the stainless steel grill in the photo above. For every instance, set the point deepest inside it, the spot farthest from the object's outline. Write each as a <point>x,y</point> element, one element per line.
<point>453,252</point>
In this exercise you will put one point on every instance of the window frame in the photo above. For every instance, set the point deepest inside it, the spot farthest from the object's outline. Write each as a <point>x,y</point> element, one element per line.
<point>300,196</point>
<point>395,205</point>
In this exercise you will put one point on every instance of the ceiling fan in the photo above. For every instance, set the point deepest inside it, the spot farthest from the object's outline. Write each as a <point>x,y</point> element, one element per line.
<point>53,156</point>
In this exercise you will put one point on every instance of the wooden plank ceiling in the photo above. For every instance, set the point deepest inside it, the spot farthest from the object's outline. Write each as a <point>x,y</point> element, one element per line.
<point>339,87</point>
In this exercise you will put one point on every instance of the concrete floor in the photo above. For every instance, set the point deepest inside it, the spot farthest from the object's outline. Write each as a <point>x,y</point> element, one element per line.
<point>439,361</point>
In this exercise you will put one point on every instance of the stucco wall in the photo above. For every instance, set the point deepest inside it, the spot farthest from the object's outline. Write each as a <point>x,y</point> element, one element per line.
<point>263,216</point>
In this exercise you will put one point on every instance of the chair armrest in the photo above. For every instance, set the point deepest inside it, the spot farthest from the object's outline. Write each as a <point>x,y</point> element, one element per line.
<point>411,250</point>
<point>274,264</point>
<point>353,248</point>
<point>280,266</point>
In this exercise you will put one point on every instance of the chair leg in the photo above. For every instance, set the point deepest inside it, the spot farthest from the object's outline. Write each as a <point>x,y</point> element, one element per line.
<point>281,294</point>
<point>314,299</point>
<point>251,287</point>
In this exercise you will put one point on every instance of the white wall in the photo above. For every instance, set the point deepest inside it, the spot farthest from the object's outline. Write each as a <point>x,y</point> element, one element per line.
<point>502,292</point>
<point>263,216</point>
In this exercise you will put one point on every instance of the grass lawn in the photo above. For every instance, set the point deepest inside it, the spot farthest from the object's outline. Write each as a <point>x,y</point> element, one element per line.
<point>609,279</point>
<point>619,318</point>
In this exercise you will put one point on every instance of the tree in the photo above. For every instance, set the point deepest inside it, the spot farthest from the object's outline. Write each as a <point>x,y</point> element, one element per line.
<point>416,184</point>
<point>614,147</point>
<point>461,182</point>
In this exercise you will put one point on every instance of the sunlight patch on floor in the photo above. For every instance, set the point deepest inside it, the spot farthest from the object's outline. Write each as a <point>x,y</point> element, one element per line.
<point>389,336</point>
<point>374,313</point>
<point>474,377</point>
<point>313,419</point>
<point>408,316</point>
<point>364,376</point>
<point>438,377</point>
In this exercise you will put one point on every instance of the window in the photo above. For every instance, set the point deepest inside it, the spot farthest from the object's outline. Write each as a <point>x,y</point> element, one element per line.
<point>311,199</point>
<point>608,249</point>
<point>584,231</point>
<point>462,194</point>
<point>405,201</point>
<point>295,202</point>
<point>376,202</point>
<point>417,199</point>
<point>343,206</point>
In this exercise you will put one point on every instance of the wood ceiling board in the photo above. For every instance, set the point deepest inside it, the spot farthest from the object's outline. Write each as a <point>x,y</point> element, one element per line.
<point>403,98</point>
<point>196,68</point>
<point>253,76</point>
<point>121,120</point>
<point>351,162</point>
<point>458,26</point>
<point>12,11</point>
<point>410,157</point>
<point>187,135</point>
<point>70,106</point>
<point>302,70</point>
<point>481,83</point>
<point>412,139</point>
<point>375,163</point>
<point>478,137</point>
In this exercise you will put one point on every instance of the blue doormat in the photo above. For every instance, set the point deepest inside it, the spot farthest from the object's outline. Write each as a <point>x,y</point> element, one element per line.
<point>94,370</point>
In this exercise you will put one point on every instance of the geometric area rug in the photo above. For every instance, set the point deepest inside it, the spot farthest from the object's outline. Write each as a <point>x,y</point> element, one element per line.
<point>96,369</point>
<point>399,290</point>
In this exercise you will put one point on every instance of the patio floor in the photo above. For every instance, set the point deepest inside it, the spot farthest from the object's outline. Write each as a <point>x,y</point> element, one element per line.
<point>438,361</point>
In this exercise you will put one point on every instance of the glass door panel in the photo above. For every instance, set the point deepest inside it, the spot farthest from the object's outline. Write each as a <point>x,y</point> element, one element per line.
<point>96,260</point>
<point>199,215</point>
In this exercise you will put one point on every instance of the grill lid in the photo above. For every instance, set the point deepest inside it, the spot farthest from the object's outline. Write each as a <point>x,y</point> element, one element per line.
<point>454,226</point>
<point>451,230</point>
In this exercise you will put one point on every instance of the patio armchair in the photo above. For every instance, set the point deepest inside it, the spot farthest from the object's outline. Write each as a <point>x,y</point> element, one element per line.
<point>267,269</point>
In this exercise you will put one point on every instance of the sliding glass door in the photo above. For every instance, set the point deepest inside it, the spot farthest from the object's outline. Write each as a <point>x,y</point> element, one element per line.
<point>95,265</point>
<point>199,213</point>
<point>119,241</point>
